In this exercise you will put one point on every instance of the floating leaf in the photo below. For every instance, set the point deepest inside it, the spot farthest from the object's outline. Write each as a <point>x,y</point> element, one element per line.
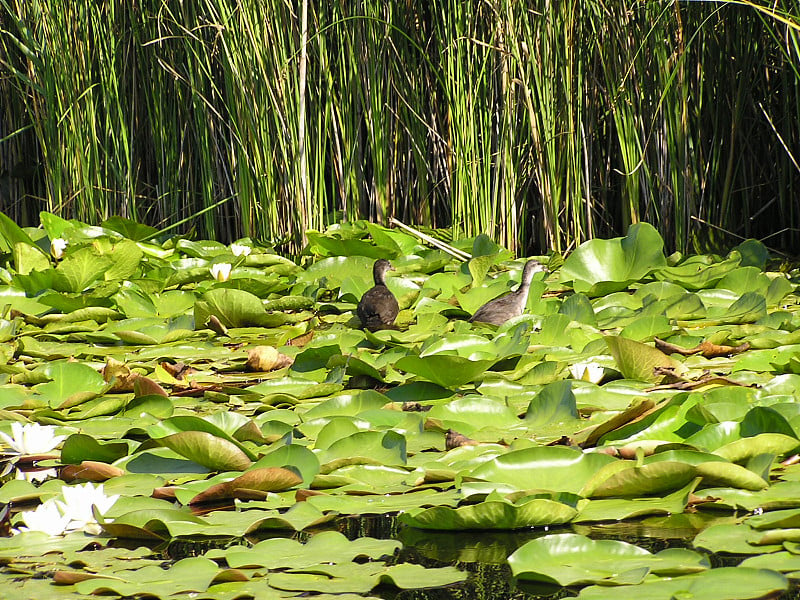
<point>570,559</point>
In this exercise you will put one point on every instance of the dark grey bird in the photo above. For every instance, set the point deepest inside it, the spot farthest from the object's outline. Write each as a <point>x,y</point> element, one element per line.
<point>378,307</point>
<point>501,309</point>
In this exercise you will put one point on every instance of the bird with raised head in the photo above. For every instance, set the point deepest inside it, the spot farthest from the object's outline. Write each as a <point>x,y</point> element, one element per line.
<point>378,307</point>
<point>501,309</point>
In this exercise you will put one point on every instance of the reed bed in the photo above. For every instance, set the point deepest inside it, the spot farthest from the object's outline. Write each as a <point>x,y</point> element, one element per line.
<point>539,123</point>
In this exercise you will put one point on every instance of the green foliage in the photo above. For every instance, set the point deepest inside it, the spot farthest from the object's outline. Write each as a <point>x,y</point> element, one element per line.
<point>221,413</point>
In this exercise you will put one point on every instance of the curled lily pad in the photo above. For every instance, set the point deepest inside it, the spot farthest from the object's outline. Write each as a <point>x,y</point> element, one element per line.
<point>205,449</point>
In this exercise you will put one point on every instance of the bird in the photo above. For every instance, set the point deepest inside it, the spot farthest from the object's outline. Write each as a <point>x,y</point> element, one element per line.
<point>501,309</point>
<point>378,307</point>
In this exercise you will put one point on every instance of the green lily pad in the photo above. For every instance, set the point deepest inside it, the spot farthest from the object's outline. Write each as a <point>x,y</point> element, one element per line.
<point>571,559</point>
<point>599,266</point>
<point>726,583</point>
<point>491,515</point>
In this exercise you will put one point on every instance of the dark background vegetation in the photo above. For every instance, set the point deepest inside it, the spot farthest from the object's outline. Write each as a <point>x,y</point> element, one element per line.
<point>539,123</point>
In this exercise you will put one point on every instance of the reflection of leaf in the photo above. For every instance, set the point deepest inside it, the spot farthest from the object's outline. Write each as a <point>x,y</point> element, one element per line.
<point>491,515</point>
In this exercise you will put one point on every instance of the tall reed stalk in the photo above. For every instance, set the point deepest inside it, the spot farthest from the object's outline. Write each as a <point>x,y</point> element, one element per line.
<point>540,124</point>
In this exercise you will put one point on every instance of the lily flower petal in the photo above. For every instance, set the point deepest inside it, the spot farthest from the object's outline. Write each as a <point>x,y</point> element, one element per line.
<point>32,438</point>
<point>47,518</point>
<point>57,246</point>
<point>240,249</point>
<point>221,271</point>
<point>587,371</point>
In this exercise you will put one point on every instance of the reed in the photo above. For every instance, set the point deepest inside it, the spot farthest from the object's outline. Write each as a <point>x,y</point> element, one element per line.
<point>541,124</point>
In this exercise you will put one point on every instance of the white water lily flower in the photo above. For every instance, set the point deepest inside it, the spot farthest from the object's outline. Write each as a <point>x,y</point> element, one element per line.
<point>240,249</point>
<point>37,475</point>
<point>221,271</point>
<point>32,438</point>
<point>587,371</point>
<point>78,502</point>
<point>47,518</point>
<point>57,247</point>
<point>57,516</point>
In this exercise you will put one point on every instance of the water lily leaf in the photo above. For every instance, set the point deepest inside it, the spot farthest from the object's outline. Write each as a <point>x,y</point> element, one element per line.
<point>409,576</point>
<point>733,539</point>
<point>38,543</point>
<point>725,583</point>
<point>636,360</point>
<point>297,457</point>
<point>134,302</point>
<point>18,300</point>
<point>154,405</point>
<point>764,419</point>
<point>71,383</point>
<point>571,559</point>
<point>221,424</point>
<point>783,562</point>
<point>471,413</point>
<point>360,578</point>
<point>148,524</point>
<point>382,504</point>
<point>490,515</point>
<point>29,258</point>
<point>445,370</point>
<point>80,269</point>
<point>125,256</point>
<point>775,519</point>
<point>348,405</point>
<point>778,289</point>
<point>252,484</point>
<point>193,574</point>
<point>647,328</point>
<point>743,449</point>
<point>555,403</point>
<point>618,509</point>
<point>365,447</point>
<point>751,307</point>
<point>323,547</point>
<point>130,229</point>
<point>578,308</point>
<point>650,479</point>
<point>79,447</point>
<point>745,279</point>
<point>555,468</point>
<point>698,272</point>
<point>11,233</point>
<point>205,449</point>
<point>600,266</point>
<point>234,308</point>
<point>327,245</point>
<point>713,471</point>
